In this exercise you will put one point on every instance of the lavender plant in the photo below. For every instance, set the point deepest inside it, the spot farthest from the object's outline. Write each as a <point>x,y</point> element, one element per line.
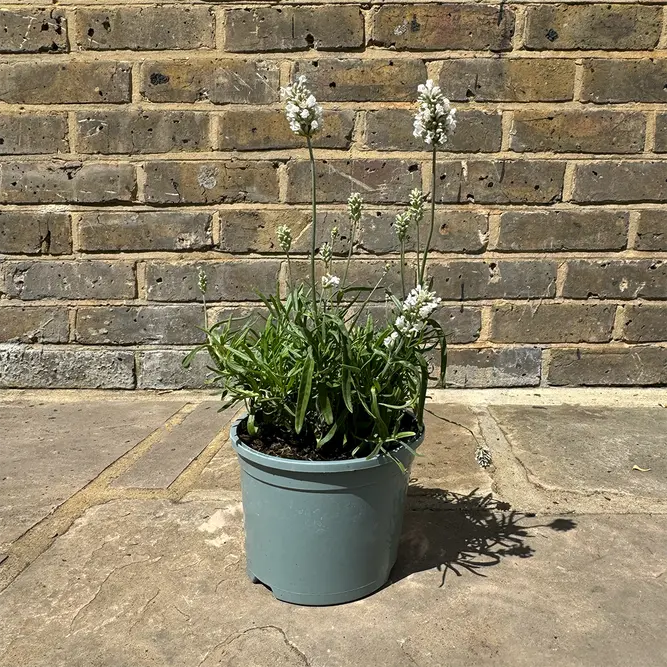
<point>317,371</point>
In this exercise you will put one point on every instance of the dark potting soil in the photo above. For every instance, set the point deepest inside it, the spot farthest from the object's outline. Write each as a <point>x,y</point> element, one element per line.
<point>275,442</point>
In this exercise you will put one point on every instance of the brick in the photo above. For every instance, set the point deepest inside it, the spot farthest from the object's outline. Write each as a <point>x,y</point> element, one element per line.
<point>391,129</point>
<point>616,279</point>
<point>507,80</point>
<point>35,233</point>
<point>163,369</point>
<point>645,323</point>
<point>267,129</point>
<point>601,26</point>
<point>145,28</point>
<point>132,231</point>
<point>383,181</point>
<point>489,367</point>
<point>96,279</point>
<point>491,279</point>
<point>31,30</point>
<point>37,324</point>
<point>552,323</point>
<point>240,315</point>
<point>67,82</point>
<point>613,181</point>
<point>237,280</point>
<point>624,80</point>
<point>294,28</point>
<point>652,231</point>
<point>505,182</point>
<point>357,80</point>
<point>142,131</point>
<point>128,325</point>
<point>442,27</point>
<point>59,182</point>
<point>52,368</point>
<point>561,231</point>
<point>617,366</point>
<point>33,134</point>
<point>455,231</point>
<point>256,231</point>
<point>223,81</point>
<point>227,181</point>
<point>661,133</point>
<point>578,131</point>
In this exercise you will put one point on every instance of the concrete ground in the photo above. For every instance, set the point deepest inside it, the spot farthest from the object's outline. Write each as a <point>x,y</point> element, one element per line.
<point>121,539</point>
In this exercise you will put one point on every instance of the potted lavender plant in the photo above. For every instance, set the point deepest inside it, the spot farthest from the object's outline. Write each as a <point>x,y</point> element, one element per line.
<point>334,401</point>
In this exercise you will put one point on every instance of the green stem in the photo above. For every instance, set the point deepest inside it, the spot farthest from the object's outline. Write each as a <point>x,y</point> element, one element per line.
<point>430,231</point>
<point>313,235</point>
<point>402,268</point>
<point>349,253</point>
<point>417,250</point>
<point>203,298</point>
<point>289,271</point>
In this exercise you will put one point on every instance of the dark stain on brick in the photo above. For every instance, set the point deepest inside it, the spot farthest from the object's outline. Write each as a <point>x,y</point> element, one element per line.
<point>157,78</point>
<point>552,35</point>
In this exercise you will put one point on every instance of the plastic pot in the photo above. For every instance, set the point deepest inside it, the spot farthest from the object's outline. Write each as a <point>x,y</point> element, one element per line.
<point>321,532</point>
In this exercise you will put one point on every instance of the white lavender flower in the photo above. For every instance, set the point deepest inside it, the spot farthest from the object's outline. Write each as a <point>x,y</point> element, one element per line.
<point>326,253</point>
<point>285,238</point>
<point>334,234</point>
<point>435,118</point>
<point>416,207</point>
<point>202,281</point>
<point>354,204</point>
<point>330,281</point>
<point>391,339</point>
<point>303,112</point>
<point>418,306</point>
<point>483,456</point>
<point>401,225</point>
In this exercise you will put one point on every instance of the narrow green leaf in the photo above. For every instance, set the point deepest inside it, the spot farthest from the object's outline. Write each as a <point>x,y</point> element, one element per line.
<point>305,388</point>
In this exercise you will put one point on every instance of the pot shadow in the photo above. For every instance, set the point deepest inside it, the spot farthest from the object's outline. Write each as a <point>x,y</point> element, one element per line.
<point>457,533</point>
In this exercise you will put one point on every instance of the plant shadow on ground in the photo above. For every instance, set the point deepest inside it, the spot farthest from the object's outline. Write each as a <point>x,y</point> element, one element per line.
<point>458,534</point>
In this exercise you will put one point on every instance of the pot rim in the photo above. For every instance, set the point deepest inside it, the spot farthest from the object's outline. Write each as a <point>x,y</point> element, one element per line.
<point>297,465</point>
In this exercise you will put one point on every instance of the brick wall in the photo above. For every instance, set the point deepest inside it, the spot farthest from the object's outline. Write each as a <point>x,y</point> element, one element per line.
<point>139,142</point>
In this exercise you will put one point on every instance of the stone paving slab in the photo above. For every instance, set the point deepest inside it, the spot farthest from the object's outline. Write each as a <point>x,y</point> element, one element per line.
<point>49,451</point>
<point>152,582</point>
<point>167,459</point>
<point>589,449</point>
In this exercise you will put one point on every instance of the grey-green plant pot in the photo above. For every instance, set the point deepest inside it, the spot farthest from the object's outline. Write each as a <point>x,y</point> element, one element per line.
<point>322,532</point>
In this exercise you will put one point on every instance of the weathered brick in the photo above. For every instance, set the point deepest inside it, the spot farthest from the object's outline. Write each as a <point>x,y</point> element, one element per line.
<point>559,231</point>
<point>256,231</point>
<point>32,134</point>
<point>267,129</point>
<point>442,27</point>
<point>661,133</point>
<point>96,279</point>
<point>489,367</point>
<point>383,180</point>
<point>513,80</point>
<point>127,325</point>
<point>645,323</point>
<point>491,279</point>
<point>455,231</point>
<point>223,81</point>
<point>624,80</point>
<point>615,366</point>
<point>142,131</point>
<point>35,233</point>
<point>612,181</point>
<point>357,80</point>
<point>163,369</point>
<point>294,28</point>
<point>67,82</point>
<point>145,28</point>
<point>224,181</point>
<point>503,181</point>
<point>58,368</point>
<point>59,182</point>
<point>652,230</point>
<point>240,315</point>
<point>616,279</point>
<point>232,280</point>
<point>37,324</point>
<point>593,26</point>
<point>391,129</point>
<point>32,30</point>
<point>132,231</point>
<point>578,131</point>
<point>552,323</point>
